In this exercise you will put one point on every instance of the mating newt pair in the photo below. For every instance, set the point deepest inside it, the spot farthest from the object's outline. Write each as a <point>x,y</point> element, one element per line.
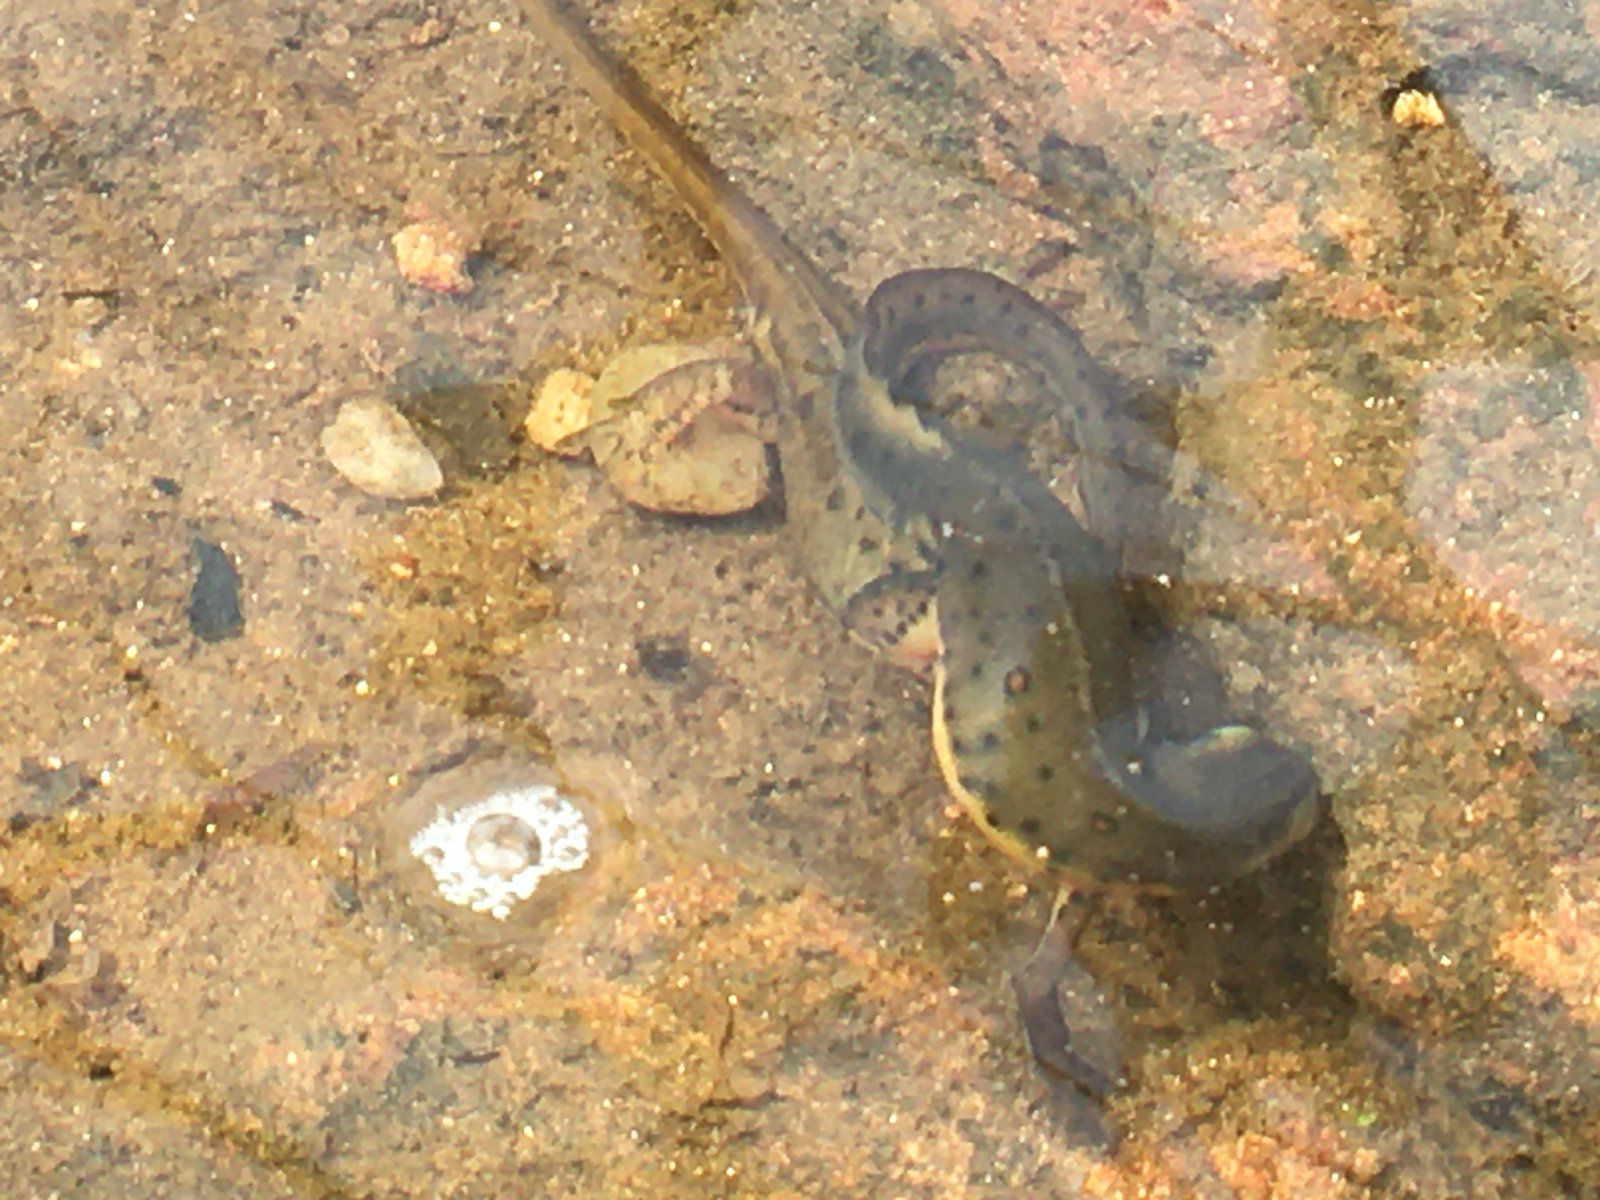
<point>904,524</point>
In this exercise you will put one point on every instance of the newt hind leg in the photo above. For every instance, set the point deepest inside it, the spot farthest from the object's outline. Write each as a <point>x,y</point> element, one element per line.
<point>1038,986</point>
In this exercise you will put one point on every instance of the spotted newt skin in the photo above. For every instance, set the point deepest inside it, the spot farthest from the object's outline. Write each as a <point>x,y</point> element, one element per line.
<point>902,522</point>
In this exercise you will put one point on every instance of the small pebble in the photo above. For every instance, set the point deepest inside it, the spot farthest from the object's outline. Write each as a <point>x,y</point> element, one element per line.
<point>429,32</point>
<point>1417,109</point>
<point>214,611</point>
<point>433,253</point>
<point>375,448</point>
<point>562,409</point>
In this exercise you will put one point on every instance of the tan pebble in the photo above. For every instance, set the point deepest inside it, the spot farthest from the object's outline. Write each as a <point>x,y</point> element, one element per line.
<point>1417,108</point>
<point>563,407</point>
<point>433,253</point>
<point>428,32</point>
<point>375,448</point>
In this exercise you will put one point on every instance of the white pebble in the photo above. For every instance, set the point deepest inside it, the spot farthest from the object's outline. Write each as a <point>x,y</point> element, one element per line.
<point>375,448</point>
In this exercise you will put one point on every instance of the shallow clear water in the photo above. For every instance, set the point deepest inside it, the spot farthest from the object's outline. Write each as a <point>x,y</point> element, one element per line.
<point>236,685</point>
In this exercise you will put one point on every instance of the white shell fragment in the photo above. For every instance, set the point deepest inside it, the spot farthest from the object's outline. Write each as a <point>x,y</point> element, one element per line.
<point>493,855</point>
<point>375,448</point>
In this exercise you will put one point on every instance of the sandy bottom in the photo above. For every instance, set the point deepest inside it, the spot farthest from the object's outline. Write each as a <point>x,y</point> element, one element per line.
<point>789,972</point>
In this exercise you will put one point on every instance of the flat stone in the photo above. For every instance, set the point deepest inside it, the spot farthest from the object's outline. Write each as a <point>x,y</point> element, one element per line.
<point>375,448</point>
